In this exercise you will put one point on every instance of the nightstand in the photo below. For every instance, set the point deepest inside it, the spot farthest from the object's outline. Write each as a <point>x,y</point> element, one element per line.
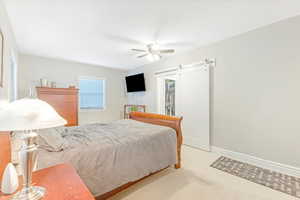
<point>61,182</point>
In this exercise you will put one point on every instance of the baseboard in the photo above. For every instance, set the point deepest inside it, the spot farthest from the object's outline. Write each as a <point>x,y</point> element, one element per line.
<point>196,143</point>
<point>267,164</point>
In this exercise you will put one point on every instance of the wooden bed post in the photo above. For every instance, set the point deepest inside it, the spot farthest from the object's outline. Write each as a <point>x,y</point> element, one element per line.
<point>179,143</point>
<point>163,120</point>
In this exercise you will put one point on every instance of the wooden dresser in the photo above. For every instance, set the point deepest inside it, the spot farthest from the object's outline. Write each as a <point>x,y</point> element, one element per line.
<point>63,100</point>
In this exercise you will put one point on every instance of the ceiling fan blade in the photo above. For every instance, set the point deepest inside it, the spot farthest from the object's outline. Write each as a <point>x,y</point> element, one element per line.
<point>144,55</point>
<point>139,50</point>
<point>167,51</point>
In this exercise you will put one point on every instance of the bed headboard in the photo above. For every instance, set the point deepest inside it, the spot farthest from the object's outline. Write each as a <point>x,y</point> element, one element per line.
<point>163,120</point>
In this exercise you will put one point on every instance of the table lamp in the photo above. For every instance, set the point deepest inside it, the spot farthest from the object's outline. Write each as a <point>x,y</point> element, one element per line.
<point>29,115</point>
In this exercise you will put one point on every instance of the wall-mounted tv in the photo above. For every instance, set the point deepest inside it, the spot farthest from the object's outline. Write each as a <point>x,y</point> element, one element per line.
<point>135,83</point>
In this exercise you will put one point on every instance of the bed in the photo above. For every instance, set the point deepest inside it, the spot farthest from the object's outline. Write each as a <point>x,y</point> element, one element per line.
<point>111,157</point>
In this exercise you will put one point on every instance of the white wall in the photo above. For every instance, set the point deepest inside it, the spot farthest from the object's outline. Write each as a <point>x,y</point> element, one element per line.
<point>256,95</point>
<point>65,73</point>
<point>10,48</point>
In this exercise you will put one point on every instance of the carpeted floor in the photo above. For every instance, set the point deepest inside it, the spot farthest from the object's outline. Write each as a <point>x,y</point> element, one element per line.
<point>274,180</point>
<point>198,181</point>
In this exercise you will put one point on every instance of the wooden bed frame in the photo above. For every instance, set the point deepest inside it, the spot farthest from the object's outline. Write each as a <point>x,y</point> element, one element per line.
<point>162,120</point>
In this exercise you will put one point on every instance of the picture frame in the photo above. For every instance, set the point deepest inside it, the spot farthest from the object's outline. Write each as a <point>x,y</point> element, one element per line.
<point>132,108</point>
<point>1,58</point>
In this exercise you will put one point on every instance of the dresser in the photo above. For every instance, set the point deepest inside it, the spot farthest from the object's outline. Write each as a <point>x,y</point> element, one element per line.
<point>63,100</point>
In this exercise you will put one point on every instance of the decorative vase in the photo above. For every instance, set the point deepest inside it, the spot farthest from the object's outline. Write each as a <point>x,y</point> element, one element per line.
<point>10,181</point>
<point>44,82</point>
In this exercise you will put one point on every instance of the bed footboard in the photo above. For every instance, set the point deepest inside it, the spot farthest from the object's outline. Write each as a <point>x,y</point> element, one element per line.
<point>163,120</point>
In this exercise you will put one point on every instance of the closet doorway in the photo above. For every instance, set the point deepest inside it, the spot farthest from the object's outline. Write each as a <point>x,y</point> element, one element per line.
<point>167,94</point>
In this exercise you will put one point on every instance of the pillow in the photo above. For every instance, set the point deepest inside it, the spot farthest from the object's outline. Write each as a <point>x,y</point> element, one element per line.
<point>51,139</point>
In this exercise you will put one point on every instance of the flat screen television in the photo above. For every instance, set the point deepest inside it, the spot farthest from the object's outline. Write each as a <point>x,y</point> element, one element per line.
<point>135,83</point>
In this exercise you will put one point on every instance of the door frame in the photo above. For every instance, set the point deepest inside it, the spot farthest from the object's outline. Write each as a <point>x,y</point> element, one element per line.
<point>161,89</point>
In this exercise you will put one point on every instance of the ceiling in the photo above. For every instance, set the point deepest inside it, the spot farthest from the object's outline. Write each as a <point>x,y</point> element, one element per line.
<point>102,32</point>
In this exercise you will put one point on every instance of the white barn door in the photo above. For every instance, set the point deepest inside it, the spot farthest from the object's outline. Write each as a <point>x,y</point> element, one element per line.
<point>193,103</point>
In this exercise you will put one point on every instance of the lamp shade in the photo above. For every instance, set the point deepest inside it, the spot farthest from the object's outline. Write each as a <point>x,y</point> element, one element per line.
<point>29,114</point>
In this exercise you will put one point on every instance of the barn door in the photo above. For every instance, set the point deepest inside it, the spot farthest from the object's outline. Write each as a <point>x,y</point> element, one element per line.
<point>193,103</point>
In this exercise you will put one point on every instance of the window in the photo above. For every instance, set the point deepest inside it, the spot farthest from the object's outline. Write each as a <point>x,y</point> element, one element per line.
<point>92,93</point>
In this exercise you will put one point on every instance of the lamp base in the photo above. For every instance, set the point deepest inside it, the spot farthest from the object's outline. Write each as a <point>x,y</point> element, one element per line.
<point>31,193</point>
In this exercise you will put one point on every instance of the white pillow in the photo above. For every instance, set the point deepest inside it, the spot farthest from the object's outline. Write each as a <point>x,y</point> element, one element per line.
<point>51,139</point>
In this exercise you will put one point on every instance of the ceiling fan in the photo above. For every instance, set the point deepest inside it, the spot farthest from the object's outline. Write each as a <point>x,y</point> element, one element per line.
<point>153,53</point>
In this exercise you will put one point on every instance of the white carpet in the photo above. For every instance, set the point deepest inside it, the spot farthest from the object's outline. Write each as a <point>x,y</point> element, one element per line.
<point>197,181</point>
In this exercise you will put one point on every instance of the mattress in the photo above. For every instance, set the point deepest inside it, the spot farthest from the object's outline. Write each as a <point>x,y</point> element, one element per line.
<point>107,156</point>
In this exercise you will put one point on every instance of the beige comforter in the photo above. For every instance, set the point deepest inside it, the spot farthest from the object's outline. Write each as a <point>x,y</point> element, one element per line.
<point>107,156</point>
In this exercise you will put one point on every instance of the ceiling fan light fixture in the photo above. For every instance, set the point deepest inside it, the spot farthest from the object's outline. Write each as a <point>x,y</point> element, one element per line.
<point>156,57</point>
<point>155,46</point>
<point>153,52</point>
<point>153,57</point>
<point>150,57</point>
